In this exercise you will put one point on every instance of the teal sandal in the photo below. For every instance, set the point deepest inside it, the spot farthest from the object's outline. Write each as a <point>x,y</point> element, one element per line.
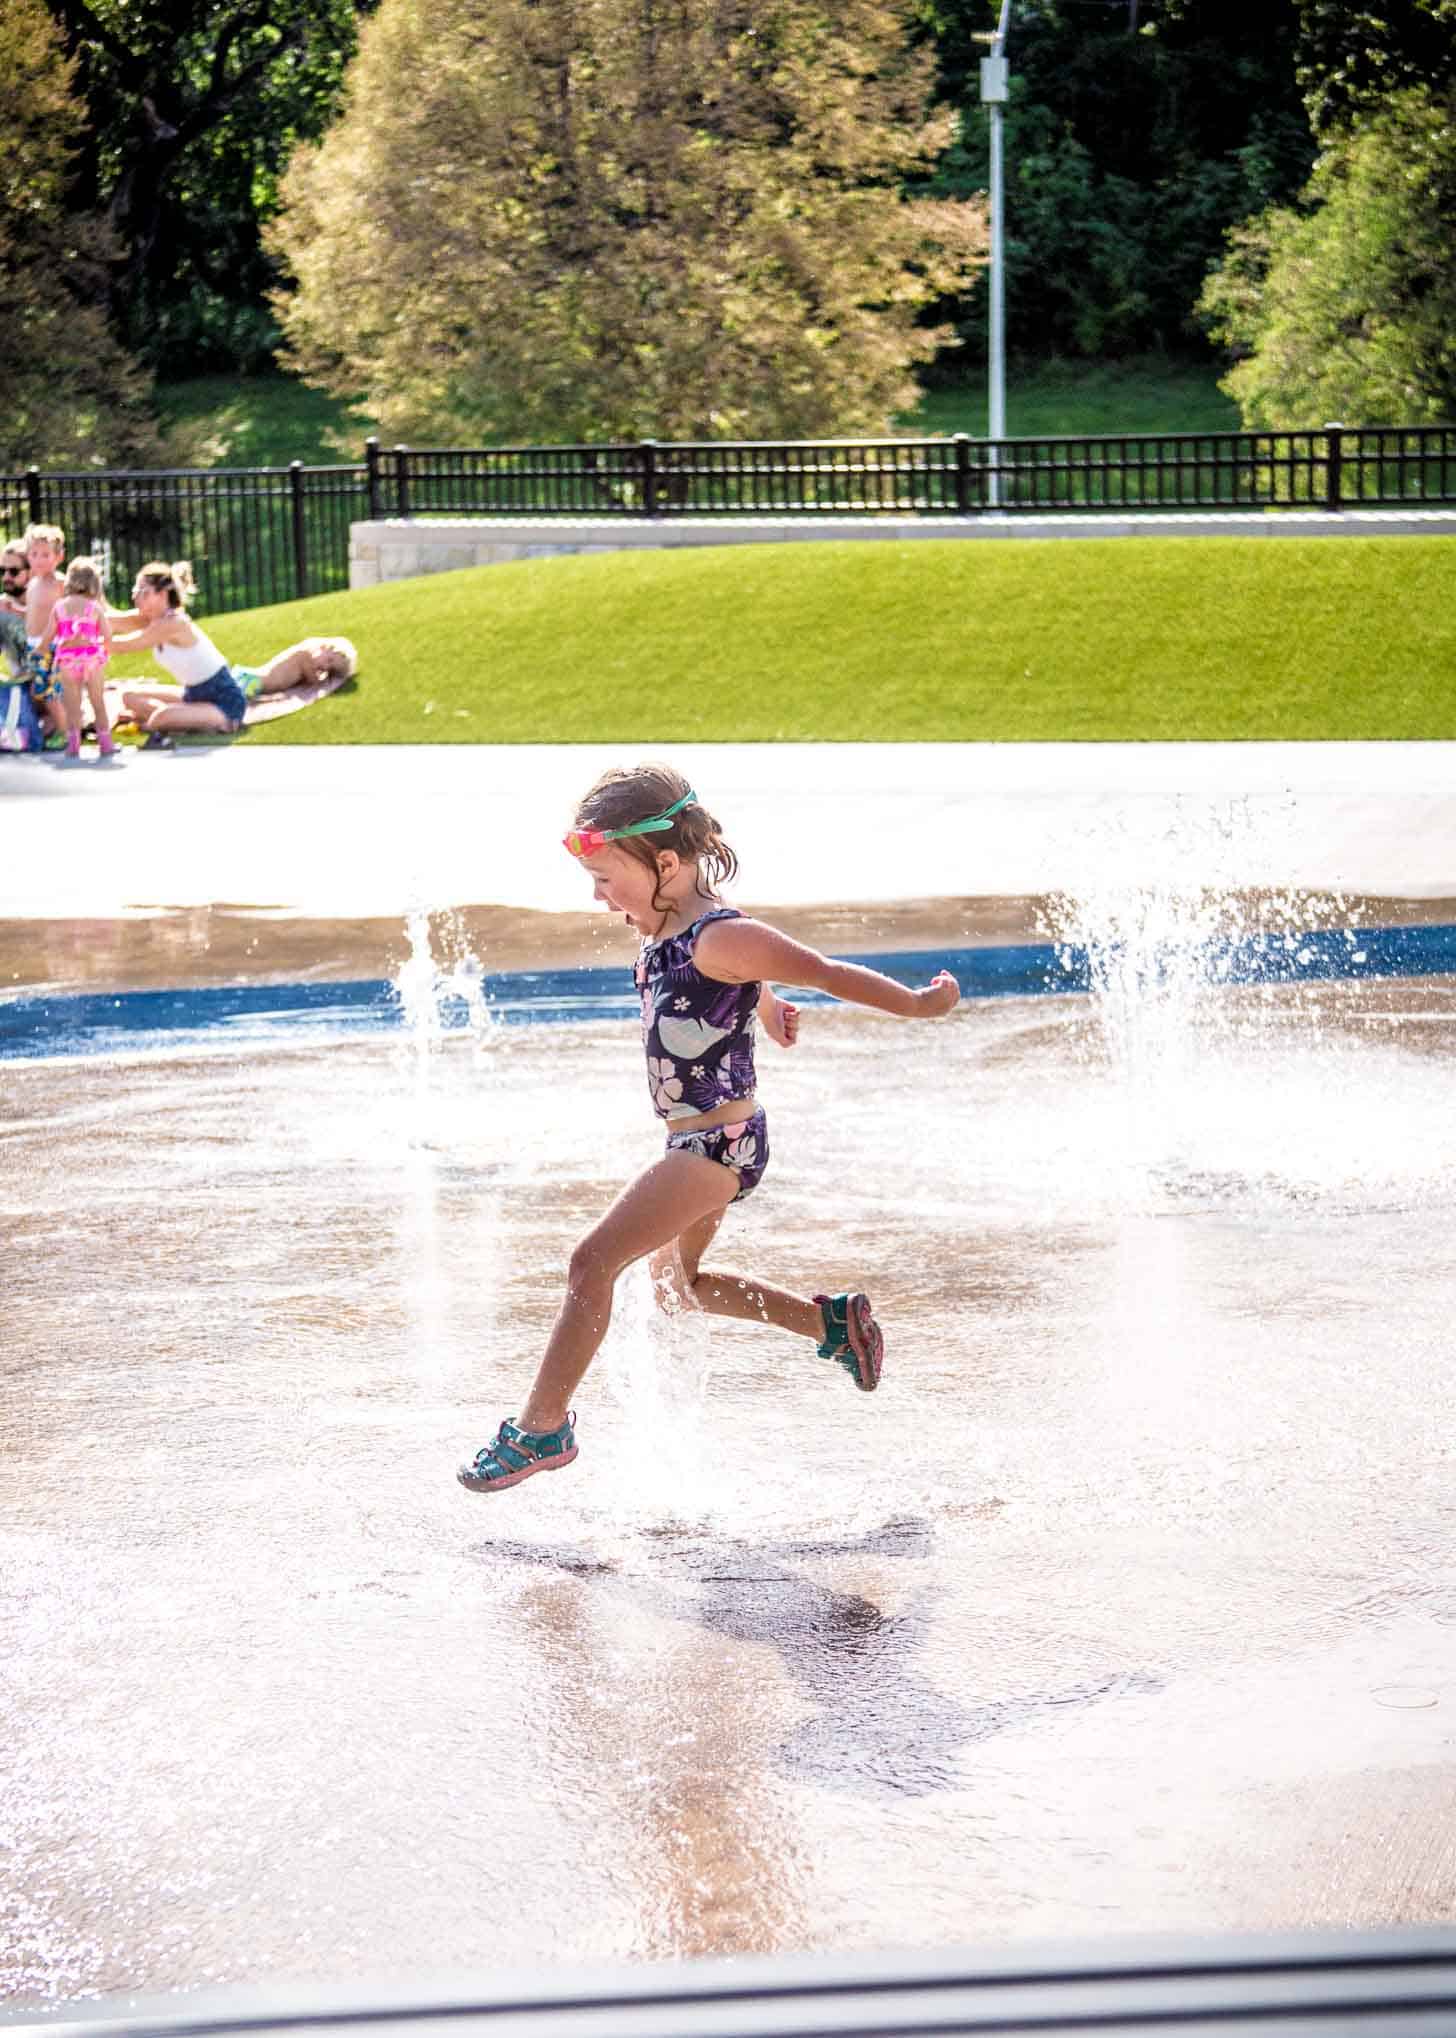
<point>852,1337</point>
<point>514,1454</point>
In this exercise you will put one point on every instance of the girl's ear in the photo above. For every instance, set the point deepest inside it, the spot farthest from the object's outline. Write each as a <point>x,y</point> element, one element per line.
<point>668,865</point>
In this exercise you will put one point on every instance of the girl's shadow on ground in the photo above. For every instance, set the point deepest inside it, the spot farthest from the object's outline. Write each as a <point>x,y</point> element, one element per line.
<point>882,1728</point>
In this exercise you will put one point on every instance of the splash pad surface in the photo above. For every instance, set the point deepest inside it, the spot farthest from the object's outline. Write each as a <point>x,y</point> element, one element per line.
<point>1127,1604</point>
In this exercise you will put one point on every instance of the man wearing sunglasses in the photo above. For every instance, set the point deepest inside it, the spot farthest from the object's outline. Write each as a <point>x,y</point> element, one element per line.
<point>19,727</point>
<point>14,578</point>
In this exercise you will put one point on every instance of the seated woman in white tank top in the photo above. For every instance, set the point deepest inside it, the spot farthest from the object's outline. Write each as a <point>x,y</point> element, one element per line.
<point>208,692</point>
<point>213,695</point>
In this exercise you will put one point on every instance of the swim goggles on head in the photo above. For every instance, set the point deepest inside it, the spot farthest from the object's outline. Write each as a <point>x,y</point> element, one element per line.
<point>587,841</point>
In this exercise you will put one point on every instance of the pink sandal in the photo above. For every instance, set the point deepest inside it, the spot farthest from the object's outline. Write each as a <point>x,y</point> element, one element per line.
<point>853,1338</point>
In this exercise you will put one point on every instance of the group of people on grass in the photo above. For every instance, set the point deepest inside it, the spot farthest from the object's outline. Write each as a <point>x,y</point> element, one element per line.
<point>60,635</point>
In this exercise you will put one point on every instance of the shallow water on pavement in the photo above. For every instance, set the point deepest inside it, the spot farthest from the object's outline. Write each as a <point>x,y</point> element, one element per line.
<point>1128,1602</point>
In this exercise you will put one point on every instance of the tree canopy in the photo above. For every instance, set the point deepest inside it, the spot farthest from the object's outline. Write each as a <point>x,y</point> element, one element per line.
<point>1352,58</point>
<point>73,397</point>
<point>561,216</point>
<point>195,107</point>
<point>1135,136</point>
<point>616,218</point>
<point>1346,306</point>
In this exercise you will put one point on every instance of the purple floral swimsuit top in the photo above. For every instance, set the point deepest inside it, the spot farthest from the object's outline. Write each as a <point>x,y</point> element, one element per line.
<point>698,1034</point>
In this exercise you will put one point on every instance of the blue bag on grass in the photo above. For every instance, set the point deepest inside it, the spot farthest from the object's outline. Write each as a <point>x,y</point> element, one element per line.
<point>19,722</point>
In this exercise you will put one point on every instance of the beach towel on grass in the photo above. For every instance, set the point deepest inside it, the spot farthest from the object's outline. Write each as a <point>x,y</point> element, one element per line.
<point>266,707</point>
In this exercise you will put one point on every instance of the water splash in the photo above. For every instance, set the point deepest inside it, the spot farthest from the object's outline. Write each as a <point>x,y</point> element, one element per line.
<point>657,1358</point>
<point>1233,1078</point>
<point>444,994</point>
<point>442,1000</point>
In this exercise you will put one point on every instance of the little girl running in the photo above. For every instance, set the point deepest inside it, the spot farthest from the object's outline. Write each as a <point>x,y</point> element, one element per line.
<point>655,855</point>
<point>78,635</point>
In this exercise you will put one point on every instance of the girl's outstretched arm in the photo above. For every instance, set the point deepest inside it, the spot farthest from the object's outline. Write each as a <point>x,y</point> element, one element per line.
<point>745,951</point>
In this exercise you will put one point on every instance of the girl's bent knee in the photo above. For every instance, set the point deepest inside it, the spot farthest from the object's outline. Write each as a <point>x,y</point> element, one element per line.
<point>589,1265</point>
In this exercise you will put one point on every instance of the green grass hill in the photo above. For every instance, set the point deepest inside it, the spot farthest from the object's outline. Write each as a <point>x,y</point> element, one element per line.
<point>882,641</point>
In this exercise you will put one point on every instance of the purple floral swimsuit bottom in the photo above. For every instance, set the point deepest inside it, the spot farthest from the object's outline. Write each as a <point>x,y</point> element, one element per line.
<point>741,1145</point>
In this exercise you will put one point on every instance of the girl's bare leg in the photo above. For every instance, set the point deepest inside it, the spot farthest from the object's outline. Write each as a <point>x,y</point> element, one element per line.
<point>721,1292</point>
<point>648,1213</point>
<point>96,694</point>
<point>71,697</point>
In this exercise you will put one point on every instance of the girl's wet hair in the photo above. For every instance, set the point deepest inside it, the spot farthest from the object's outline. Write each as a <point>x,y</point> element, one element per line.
<point>46,534</point>
<point>175,581</point>
<point>633,793</point>
<point>83,576</point>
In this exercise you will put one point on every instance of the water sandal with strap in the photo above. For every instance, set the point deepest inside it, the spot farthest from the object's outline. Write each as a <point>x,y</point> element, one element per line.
<point>514,1454</point>
<point>852,1337</point>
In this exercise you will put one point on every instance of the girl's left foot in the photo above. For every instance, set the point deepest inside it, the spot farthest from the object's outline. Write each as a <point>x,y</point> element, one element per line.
<point>514,1454</point>
<point>852,1337</point>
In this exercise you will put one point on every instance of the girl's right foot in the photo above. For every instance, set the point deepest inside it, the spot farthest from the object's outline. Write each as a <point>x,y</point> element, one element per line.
<point>514,1454</point>
<point>73,743</point>
<point>852,1337</point>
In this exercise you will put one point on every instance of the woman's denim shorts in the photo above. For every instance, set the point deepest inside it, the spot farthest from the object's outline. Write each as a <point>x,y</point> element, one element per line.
<point>221,691</point>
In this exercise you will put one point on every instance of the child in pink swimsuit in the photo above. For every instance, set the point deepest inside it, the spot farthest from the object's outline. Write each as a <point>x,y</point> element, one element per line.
<point>79,635</point>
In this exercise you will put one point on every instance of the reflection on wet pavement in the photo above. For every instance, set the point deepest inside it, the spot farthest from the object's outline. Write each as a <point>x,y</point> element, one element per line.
<point>1089,1620</point>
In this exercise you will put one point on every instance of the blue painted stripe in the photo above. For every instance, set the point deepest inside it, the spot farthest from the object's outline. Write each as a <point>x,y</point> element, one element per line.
<point>248,1014</point>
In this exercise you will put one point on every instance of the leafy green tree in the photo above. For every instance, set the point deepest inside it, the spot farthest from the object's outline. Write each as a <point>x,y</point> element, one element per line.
<point>607,218</point>
<point>1136,135</point>
<point>1352,58</point>
<point>196,106</point>
<point>1346,306</point>
<point>73,397</point>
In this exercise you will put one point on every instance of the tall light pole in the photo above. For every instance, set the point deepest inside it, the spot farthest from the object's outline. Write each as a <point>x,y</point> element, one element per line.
<point>994,78</point>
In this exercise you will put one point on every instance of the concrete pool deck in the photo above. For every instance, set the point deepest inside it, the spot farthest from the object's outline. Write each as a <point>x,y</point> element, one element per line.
<point>336,832</point>
<point>1128,1604</point>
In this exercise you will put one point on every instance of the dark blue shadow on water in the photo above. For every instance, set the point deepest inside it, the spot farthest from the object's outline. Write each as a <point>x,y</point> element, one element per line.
<point>293,1014</point>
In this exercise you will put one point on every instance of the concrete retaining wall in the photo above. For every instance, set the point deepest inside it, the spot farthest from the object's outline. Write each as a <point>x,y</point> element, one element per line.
<point>400,548</point>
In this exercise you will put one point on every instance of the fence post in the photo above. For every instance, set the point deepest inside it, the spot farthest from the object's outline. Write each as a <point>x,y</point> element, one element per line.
<point>648,450</point>
<point>1334,464</point>
<point>963,473</point>
<point>300,532</point>
<point>371,479</point>
<point>401,482</point>
<point>32,493</point>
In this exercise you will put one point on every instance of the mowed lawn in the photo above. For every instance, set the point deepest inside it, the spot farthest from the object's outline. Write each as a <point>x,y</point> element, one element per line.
<point>1006,640</point>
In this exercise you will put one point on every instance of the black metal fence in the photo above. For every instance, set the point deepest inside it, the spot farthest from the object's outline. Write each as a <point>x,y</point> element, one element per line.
<point>263,535</point>
<point>1332,469</point>
<point>254,535</point>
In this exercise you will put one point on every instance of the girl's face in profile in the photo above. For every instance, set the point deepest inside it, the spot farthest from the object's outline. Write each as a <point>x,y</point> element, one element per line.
<point>148,601</point>
<point>623,885</point>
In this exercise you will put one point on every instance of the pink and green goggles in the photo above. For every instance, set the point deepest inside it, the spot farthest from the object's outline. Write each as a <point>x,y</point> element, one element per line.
<point>587,841</point>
